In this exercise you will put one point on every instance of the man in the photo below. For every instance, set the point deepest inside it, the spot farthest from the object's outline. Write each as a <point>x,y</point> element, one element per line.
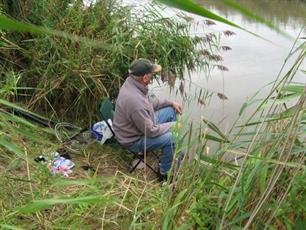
<point>141,122</point>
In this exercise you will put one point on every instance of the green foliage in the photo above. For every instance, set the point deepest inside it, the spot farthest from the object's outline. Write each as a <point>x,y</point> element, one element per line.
<point>190,6</point>
<point>265,189</point>
<point>260,190</point>
<point>5,226</point>
<point>62,74</point>
<point>8,88</point>
<point>38,205</point>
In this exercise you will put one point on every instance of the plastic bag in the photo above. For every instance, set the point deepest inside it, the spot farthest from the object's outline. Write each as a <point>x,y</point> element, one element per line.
<point>61,165</point>
<point>56,163</point>
<point>101,132</point>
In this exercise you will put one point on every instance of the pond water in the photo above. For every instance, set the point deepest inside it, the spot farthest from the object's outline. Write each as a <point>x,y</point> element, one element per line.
<point>252,62</point>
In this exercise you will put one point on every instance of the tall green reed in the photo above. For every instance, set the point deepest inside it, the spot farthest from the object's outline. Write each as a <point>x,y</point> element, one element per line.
<point>207,193</point>
<point>62,75</point>
<point>212,191</point>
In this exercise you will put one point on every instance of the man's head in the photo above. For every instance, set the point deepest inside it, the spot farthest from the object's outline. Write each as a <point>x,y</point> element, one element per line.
<point>143,70</point>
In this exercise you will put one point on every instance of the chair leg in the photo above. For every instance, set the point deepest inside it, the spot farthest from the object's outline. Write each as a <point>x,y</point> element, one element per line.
<point>133,169</point>
<point>150,167</point>
<point>155,154</point>
<point>140,159</point>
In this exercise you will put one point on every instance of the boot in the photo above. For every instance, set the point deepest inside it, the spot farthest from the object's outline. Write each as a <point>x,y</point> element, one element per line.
<point>161,177</point>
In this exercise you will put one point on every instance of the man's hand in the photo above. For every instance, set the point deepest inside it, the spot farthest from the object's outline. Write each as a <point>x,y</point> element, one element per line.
<point>177,107</point>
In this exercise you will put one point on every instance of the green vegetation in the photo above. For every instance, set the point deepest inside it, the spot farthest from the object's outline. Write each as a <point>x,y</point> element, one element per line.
<point>264,190</point>
<point>62,75</point>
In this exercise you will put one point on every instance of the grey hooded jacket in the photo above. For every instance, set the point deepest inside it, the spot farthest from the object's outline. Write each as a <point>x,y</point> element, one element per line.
<point>134,114</point>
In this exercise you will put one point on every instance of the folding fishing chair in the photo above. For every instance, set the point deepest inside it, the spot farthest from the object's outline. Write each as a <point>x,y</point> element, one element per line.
<point>107,112</point>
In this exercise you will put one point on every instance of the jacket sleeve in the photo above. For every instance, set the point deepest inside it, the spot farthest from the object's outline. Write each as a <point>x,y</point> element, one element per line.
<point>159,104</point>
<point>142,120</point>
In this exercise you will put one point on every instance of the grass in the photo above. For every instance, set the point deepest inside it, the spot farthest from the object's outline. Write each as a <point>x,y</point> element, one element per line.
<point>58,76</point>
<point>265,190</point>
<point>96,199</point>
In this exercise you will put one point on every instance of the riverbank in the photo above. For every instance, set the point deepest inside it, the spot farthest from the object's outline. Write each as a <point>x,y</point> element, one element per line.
<point>265,189</point>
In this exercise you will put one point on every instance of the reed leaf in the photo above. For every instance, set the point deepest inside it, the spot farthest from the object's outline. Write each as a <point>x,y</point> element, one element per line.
<point>38,205</point>
<point>6,226</point>
<point>4,142</point>
<point>276,117</point>
<point>14,106</point>
<point>191,7</point>
<point>9,24</point>
<point>63,183</point>
<point>13,118</point>
<point>268,160</point>
<point>171,211</point>
<point>294,88</point>
<point>247,12</point>
<point>216,139</point>
<point>214,128</point>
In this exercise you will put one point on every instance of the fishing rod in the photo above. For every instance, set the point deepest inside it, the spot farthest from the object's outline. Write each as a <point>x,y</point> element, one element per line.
<point>34,118</point>
<point>71,136</point>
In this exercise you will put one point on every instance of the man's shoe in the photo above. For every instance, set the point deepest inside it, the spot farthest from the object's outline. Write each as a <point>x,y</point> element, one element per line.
<point>161,177</point>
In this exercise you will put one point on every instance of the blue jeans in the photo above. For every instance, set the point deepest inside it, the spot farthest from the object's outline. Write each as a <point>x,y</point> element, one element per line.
<point>165,141</point>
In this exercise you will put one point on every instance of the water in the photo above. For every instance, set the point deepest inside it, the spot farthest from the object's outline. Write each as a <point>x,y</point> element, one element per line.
<point>252,62</point>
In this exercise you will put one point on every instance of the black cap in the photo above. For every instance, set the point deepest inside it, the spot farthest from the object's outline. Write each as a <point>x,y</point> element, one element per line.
<point>143,66</point>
